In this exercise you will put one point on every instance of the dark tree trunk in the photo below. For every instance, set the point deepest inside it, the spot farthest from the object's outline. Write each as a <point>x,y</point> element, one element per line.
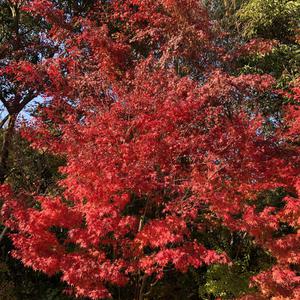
<point>6,145</point>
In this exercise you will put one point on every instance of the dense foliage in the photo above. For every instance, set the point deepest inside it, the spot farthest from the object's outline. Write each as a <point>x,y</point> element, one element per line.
<point>181,150</point>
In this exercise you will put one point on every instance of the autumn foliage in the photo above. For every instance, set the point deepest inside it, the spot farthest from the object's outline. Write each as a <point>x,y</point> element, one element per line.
<point>162,141</point>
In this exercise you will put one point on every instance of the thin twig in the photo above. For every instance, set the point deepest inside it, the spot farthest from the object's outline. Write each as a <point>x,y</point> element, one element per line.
<point>3,233</point>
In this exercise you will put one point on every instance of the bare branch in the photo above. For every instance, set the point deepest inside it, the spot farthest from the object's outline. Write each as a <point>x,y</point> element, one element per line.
<point>2,123</point>
<point>3,233</point>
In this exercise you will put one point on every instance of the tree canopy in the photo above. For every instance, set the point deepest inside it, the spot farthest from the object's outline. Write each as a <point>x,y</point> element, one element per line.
<point>177,136</point>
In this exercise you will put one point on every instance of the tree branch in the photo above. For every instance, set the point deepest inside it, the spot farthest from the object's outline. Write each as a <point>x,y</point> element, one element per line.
<point>3,233</point>
<point>2,123</point>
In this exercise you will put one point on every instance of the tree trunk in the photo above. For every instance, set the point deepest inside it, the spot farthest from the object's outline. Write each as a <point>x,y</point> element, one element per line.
<point>6,145</point>
<point>142,287</point>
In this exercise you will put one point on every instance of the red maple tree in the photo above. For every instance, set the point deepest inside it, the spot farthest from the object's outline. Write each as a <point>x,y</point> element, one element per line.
<point>161,142</point>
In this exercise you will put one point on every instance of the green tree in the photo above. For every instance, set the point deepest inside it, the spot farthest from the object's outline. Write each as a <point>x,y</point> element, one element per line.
<point>277,19</point>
